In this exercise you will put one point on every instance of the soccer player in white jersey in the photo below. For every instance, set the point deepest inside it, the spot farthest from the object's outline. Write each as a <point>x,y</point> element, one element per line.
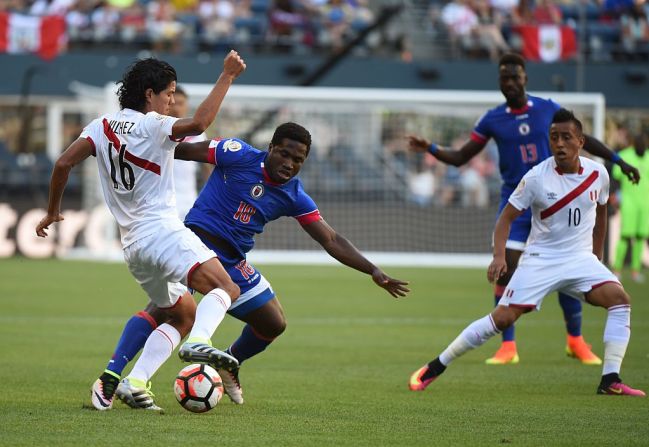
<point>567,195</point>
<point>185,172</point>
<point>134,149</point>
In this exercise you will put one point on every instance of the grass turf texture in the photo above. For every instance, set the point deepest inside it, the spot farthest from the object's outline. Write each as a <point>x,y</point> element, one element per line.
<point>336,377</point>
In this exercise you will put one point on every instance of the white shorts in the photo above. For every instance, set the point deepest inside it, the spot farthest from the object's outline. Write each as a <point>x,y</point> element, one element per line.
<point>161,262</point>
<point>536,277</point>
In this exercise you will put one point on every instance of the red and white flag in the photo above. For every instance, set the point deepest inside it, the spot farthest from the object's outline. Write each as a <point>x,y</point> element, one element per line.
<point>547,43</point>
<point>44,36</point>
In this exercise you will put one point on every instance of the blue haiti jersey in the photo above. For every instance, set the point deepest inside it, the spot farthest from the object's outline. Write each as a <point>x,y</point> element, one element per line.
<point>522,137</point>
<point>239,198</point>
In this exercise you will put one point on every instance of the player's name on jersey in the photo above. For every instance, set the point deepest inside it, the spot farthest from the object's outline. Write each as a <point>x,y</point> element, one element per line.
<point>121,127</point>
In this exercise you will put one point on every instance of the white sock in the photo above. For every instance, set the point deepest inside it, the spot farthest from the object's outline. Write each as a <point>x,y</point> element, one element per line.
<point>157,349</point>
<point>473,336</point>
<point>209,314</point>
<point>616,337</point>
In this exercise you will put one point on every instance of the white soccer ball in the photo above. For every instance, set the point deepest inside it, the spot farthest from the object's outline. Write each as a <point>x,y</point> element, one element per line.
<point>198,388</point>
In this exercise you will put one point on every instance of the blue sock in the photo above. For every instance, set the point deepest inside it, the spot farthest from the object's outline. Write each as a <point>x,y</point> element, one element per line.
<point>134,335</point>
<point>249,344</point>
<point>509,333</point>
<point>571,314</point>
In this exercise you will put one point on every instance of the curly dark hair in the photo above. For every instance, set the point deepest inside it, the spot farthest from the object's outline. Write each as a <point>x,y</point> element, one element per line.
<point>294,132</point>
<point>512,59</point>
<point>144,74</point>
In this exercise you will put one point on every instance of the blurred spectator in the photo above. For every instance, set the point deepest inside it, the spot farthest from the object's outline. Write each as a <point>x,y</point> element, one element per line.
<point>546,12</point>
<point>460,21</point>
<point>635,29</point>
<point>164,28</point>
<point>488,30</point>
<point>289,24</point>
<point>337,17</point>
<point>421,184</point>
<point>217,19</point>
<point>105,20</point>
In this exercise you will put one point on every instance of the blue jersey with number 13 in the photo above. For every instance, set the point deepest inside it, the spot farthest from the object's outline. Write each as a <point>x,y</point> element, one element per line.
<point>522,136</point>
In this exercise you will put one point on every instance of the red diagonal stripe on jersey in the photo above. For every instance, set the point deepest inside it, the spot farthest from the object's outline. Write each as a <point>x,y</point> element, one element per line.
<point>572,195</point>
<point>137,161</point>
<point>142,163</point>
<point>111,135</point>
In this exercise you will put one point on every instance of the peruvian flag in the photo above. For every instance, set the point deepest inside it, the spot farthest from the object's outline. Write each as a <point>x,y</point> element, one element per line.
<point>547,43</point>
<point>44,36</point>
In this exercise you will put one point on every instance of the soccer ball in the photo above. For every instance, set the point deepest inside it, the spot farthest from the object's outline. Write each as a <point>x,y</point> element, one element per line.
<point>198,388</point>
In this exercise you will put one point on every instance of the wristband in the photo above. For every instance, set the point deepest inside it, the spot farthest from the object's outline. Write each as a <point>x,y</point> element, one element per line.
<point>433,149</point>
<point>616,158</point>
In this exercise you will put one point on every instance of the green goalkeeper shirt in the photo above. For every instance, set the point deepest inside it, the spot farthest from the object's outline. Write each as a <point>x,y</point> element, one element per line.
<point>630,193</point>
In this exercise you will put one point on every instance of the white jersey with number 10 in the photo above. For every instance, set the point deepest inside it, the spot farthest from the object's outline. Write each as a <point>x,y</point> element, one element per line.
<point>563,206</point>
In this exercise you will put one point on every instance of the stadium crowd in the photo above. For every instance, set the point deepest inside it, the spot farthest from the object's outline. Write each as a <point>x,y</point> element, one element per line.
<point>607,29</point>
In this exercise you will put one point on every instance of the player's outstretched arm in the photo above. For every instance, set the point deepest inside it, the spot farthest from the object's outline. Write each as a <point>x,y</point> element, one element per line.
<point>233,66</point>
<point>599,149</point>
<point>498,266</point>
<point>599,230</point>
<point>73,155</point>
<point>456,158</point>
<point>193,151</point>
<point>343,250</point>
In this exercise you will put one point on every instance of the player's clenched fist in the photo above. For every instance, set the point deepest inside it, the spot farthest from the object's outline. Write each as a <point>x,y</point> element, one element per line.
<point>233,64</point>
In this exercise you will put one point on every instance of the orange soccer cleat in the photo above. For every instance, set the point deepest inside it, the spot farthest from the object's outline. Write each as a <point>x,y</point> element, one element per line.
<point>577,347</point>
<point>506,354</point>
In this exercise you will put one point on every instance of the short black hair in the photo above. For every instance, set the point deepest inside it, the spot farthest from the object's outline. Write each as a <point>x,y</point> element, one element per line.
<point>181,91</point>
<point>144,74</point>
<point>512,59</point>
<point>294,132</point>
<point>565,116</point>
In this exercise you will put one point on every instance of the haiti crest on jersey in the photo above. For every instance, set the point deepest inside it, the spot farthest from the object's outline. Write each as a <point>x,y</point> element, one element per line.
<point>231,145</point>
<point>524,129</point>
<point>257,191</point>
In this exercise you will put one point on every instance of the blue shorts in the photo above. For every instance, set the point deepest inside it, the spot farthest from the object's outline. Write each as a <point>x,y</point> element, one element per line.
<point>255,289</point>
<point>520,229</point>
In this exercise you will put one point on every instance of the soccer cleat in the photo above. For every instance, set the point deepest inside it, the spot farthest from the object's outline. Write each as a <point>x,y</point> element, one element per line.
<point>231,385</point>
<point>620,389</point>
<point>417,382</point>
<point>505,354</point>
<point>136,395</point>
<point>204,353</point>
<point>577,348</point>
<point>637,277</point>
<point>102,392</point>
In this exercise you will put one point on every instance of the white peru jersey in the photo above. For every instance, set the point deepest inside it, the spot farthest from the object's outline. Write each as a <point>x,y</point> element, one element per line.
<point>135,155</point>
<point>563,206</point>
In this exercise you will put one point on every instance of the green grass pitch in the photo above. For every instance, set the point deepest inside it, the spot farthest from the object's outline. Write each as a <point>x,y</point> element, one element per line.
<point>337,377</point>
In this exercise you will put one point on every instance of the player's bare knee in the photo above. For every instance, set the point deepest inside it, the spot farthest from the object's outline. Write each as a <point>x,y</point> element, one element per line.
<point>232,289</point>
<point>503,317</point>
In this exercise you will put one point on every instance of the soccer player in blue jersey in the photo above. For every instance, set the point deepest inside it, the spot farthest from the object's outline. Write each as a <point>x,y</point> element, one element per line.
<point>520,127</point>
<point>248,189</point>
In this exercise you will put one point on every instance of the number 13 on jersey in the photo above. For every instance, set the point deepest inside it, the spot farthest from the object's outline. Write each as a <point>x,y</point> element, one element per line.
<point>529,153</point>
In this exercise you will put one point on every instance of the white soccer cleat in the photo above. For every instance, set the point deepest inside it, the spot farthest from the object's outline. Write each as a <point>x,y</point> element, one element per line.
<point>102,394</point>
<point>231,385</point>
<point>136,397</point>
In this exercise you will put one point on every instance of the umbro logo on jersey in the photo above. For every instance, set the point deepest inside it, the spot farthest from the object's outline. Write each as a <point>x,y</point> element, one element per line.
<point>231,145</point>
<point>552,196</point>
<point>257,191</point>
<point>524,129</point>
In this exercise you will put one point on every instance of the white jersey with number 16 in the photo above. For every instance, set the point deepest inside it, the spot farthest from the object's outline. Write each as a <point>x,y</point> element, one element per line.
<point>135,155</point>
